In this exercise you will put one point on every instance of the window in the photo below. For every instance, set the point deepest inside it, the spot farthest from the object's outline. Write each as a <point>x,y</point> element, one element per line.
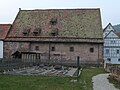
<point>109,59</point>
<point>52,48</point>
<point>53,21</point>
<point>36,48</point>
<point>105,34</point>
<point>26,32</point>
<point>112,41</point>
<point>109,27</point>
<point>117,52</point>
<point>54,32</point>
<point>91,50</point>
<point>71,49</point>
<point>119,60</point>
<point>37,31</point>
<point>107,51</point>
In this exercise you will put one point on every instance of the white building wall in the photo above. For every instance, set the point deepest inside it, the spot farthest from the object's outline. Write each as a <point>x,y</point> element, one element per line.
<point>112,48</point>
<point>1,49</point>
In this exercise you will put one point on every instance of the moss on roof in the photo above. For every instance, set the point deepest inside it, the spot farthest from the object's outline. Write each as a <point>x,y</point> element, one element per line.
<point>81,23</point>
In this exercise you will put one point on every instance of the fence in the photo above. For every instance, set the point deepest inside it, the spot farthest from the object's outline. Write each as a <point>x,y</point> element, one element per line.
<point>113,69</point>
<point>9,64</point>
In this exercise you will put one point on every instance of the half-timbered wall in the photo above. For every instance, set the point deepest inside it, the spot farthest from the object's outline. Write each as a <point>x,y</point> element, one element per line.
<point>111,46</point>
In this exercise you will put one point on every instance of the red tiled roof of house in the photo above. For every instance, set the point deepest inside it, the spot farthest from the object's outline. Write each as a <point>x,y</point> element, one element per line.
<point>4,28</point>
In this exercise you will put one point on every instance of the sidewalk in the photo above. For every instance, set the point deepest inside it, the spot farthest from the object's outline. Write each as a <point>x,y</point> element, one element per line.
<point>100,82</point>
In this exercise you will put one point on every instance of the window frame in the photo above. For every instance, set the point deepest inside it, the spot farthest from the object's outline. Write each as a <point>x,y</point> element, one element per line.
<point>71,49</point>
<point>92,50</point>
<point>118,59</point>
<point>109,59</point>
<point>117,52</point>
<point>37,48</point>
<point>53,21</point>
<point>53,48</point>
<point>107,51</point>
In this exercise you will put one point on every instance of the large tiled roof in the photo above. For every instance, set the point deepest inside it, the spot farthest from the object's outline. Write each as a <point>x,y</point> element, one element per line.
<point>4,28</point>
<point>80,23</point>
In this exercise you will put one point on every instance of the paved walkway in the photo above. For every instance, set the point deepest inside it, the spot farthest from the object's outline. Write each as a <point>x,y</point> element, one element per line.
<point>100,82</point>
<point>71,72</point>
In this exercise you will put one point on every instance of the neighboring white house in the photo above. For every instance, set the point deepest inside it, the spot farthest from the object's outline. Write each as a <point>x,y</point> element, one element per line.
<point>111,45</point>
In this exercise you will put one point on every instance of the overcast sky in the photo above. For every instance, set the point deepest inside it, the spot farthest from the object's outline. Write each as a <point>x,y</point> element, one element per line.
<point>110,9</point>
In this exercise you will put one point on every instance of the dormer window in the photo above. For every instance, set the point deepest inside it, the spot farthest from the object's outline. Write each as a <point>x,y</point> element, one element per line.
<point>54,32</point>
<point>26,32</point>
<point>53,21</point>
<point>37,31</point>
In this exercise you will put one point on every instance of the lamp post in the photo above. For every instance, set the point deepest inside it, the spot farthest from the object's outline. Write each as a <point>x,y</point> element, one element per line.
<point>49,52</point>
<point>78,67</point>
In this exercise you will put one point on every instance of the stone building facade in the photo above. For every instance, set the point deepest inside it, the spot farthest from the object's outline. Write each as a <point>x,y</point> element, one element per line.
<point>56,34</point>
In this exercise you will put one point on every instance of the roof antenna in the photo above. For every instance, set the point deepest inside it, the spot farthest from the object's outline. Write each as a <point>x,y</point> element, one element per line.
<point>19,9</point>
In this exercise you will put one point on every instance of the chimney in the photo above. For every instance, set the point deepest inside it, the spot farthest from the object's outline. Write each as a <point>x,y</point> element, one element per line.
<point>19,9</point>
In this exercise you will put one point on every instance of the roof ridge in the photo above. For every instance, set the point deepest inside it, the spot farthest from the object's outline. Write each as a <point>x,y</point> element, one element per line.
<point>43,9</point>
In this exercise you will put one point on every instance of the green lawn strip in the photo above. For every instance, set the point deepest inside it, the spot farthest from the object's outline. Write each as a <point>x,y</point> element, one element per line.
<point>13,82</point>
<point>17,82</point>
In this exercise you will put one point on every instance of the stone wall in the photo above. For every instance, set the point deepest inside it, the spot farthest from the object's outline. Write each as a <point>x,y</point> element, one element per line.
<point>11,47</point>
<point>62,50</point>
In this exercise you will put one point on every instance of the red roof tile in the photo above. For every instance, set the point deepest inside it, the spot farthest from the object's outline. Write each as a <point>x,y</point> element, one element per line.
<point>4,28</point>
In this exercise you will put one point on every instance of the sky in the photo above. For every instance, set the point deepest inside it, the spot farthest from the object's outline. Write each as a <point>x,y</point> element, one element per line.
<point>110,9</point>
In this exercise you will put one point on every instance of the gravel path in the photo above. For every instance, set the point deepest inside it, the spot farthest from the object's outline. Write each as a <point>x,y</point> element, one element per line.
<point>100,82</point>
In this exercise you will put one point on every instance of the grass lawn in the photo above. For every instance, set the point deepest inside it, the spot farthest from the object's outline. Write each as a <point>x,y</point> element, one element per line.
<point>14,82</point>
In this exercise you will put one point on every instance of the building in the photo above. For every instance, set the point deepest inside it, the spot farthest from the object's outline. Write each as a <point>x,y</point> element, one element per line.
<point>111,45</point>
<point>56,34</point>
<point>4,28</point>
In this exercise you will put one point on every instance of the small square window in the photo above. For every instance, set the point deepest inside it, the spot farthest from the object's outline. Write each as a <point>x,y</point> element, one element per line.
<point>119,60</point>
<point>53,21</point>
<point>91,50</point>
<point>52,48</point>
<point>112,41</point>
<point>117,52</point>
<point>109,59</point>
<point>107,51</point>
<point>71,49</point>
<point>36,48</point>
